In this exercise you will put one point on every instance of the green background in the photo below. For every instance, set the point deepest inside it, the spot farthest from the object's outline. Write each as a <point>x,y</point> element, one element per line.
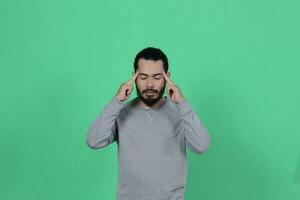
<point>236,62</point>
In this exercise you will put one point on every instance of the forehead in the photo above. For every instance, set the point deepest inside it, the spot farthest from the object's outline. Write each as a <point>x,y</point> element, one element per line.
<point>150,66</point>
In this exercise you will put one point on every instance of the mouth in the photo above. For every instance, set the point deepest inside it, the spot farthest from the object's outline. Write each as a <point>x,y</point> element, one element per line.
<point>150,92</point>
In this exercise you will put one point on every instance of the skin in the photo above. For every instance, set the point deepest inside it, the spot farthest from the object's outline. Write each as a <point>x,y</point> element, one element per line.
<point>150,76</point>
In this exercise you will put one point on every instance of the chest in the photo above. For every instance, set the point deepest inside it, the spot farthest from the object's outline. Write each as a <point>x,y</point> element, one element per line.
<point>144,130</point>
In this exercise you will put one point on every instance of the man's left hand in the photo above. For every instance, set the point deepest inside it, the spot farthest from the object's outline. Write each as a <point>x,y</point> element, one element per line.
<point>173,90</point>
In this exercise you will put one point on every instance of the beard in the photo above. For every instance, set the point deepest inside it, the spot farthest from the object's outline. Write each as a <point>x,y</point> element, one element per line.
<point>150,101</point>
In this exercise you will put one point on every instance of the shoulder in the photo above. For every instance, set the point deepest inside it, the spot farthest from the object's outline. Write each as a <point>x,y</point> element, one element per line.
<point>183,107</point>
<point>128,107</point>
<point>172,107</point>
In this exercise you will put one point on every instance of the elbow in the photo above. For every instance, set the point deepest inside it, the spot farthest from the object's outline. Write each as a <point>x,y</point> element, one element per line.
<point>95,141</point>
<point>91,144</point>
<point>96,144</point>
<point>201,147</point>
<point>200,150</point>
<point>92,141</point>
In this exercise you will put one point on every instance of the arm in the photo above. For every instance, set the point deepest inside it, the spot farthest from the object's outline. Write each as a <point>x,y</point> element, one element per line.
<point>196,135</point>
<point>102,131</point>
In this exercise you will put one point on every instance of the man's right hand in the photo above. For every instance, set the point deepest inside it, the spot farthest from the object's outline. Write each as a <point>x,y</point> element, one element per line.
<point>126,88</point>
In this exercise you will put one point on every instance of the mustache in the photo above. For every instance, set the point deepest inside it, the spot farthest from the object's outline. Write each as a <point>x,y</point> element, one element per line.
<point>150,90</point>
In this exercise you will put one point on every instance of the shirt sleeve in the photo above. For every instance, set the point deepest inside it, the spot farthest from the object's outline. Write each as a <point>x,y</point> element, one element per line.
<point>102,131</point>
<point>196,134</point>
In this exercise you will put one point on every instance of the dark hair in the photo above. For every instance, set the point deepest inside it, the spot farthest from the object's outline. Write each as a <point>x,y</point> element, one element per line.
<point>151,53</point>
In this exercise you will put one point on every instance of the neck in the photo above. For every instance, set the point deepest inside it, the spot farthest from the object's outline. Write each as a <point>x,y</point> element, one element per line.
<point>156,105</point>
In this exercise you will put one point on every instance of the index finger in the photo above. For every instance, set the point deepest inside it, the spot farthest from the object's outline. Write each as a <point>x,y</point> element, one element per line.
<point>168,80</point>
<point>133,77</point>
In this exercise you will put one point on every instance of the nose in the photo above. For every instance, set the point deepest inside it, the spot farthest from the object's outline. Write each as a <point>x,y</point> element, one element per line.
<point>150,83</point>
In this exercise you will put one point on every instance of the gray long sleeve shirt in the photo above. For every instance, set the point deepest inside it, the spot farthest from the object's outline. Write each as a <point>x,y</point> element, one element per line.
<point>151,146</point>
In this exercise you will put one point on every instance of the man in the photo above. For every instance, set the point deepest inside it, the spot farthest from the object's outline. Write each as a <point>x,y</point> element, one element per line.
<point>151,131</point>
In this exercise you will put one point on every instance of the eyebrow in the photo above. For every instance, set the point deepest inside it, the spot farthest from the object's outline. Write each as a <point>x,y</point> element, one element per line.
<point>153,74</point>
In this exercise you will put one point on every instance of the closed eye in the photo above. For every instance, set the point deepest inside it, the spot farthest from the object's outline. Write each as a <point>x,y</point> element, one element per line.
<point>143,77</point>
<point>158,76</point>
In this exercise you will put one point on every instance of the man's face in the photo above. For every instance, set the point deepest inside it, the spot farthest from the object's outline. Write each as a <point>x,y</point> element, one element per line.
<point>150,83</point>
